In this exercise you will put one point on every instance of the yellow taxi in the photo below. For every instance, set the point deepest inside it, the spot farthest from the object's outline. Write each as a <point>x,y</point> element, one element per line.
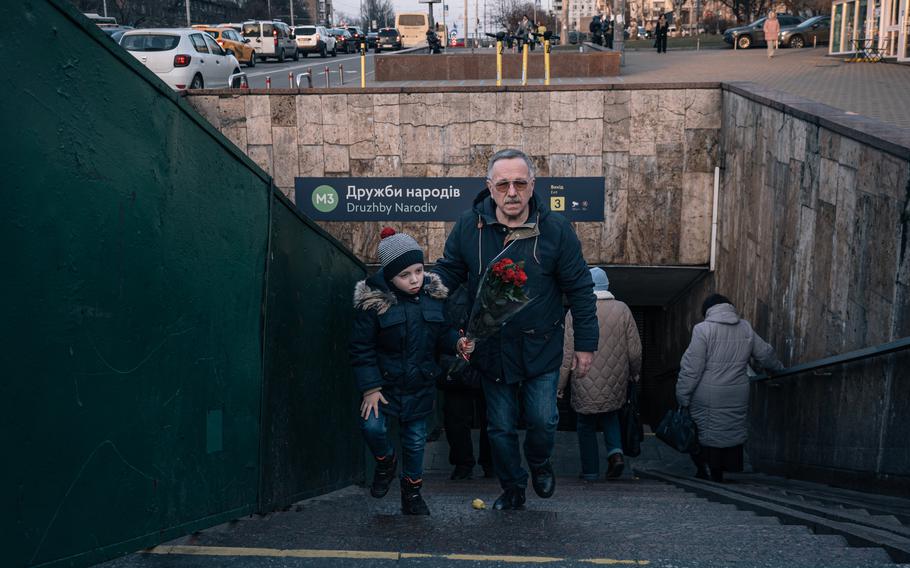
<point>229,38</point>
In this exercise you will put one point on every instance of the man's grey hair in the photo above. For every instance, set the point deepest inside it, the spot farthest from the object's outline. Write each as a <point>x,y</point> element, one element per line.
<point>509,154</point>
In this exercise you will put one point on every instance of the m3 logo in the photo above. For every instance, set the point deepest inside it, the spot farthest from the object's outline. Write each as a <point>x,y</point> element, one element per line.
<point>325,198</point>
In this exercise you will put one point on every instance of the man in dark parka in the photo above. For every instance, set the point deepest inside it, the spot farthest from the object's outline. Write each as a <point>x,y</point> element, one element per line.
<point>509,218</point>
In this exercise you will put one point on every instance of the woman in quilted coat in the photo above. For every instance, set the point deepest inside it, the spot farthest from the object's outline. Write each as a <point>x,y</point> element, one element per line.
<point>714,385</point>
<point>597,396</point>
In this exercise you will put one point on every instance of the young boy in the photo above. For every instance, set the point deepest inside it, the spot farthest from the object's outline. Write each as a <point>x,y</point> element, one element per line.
<point>399,329</point>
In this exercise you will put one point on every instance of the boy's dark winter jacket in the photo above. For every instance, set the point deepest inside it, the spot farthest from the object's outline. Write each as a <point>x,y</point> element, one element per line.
<point>395,342</point>
<point>531,343</point>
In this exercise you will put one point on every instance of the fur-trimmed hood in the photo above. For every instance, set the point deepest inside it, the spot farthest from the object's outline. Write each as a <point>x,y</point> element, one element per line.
<point>374,294</point>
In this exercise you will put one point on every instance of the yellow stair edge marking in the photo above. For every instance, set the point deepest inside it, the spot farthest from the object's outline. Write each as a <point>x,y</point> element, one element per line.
<point>274,552</point>
<point>497,558</point>
<point>370,554</point>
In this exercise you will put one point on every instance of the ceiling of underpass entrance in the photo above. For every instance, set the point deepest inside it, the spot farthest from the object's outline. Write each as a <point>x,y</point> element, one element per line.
<point>652,285</point>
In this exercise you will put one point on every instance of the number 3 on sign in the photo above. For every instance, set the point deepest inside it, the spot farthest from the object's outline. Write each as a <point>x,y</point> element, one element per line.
<point>557,203</point>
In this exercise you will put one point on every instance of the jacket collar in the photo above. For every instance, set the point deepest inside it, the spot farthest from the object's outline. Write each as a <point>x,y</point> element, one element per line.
<point>374,292</point>
<point>604,295</point>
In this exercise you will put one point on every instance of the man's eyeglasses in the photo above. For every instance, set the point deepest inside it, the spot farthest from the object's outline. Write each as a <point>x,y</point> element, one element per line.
<point>502,186</point>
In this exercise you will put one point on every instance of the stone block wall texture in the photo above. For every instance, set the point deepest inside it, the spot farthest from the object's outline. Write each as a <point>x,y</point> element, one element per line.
<point>657,148</point>
<point>813,235</point>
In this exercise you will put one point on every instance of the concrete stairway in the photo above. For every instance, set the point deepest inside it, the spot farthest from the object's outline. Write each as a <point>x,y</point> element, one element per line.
<point>632,521</point>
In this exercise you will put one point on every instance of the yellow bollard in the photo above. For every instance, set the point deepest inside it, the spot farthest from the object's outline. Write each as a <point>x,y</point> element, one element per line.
<point>524,64</point>
<point>498,63</point>
<point>546,62</point>
<point>363,65</point>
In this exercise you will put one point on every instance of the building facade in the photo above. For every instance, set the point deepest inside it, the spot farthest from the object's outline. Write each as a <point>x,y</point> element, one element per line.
<point>877,26</point>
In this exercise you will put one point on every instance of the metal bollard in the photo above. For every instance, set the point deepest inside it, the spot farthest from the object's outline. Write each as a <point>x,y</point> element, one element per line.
<point>498,63</point>
<point>328,82</point>
<point>268,82</point>
<point>341,73</point>
<point>309,79</point>
<point>698,44</point>
<point>524,64</point>
<point>363,65</point>
<point>546,61</point>
<point>291,79</point>
<point>814,41</point>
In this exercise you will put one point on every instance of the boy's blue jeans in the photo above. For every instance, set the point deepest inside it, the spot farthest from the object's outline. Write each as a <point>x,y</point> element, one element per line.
<point>541,417</point>
<point>413,435</point>
<point>587,440</point>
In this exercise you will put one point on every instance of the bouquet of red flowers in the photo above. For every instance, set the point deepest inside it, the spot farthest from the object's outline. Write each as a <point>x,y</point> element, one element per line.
<point>500,296</point>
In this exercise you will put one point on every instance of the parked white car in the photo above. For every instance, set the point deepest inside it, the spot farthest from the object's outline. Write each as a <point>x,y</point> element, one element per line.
<point>271,39</point>
<point>315,39</point>
<point>182,58</point>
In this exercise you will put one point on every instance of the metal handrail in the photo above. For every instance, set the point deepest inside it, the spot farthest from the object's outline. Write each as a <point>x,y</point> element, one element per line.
<point>850,356</point>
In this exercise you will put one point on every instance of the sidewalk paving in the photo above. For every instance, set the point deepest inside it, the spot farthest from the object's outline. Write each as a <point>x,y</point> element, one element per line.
<point>875,90</point>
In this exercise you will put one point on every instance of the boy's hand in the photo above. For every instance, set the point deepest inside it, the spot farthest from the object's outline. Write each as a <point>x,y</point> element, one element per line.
<point>370,403</point>
<point>465,346</point>
<point>560,393</point>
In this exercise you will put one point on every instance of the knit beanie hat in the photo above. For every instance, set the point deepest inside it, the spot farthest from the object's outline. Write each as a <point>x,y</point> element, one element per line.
<point>601,282</point>
<point>397,251</point>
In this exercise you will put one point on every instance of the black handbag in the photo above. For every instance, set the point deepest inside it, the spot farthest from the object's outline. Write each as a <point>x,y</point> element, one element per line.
<point>630,423</point>
<point>677,430</point>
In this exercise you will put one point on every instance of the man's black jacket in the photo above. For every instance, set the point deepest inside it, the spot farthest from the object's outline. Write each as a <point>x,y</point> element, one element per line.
<point>531,343</point>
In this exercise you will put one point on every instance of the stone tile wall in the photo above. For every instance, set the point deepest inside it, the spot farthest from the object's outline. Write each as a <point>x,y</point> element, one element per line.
<point>657,148</point>
<point>813,248</point>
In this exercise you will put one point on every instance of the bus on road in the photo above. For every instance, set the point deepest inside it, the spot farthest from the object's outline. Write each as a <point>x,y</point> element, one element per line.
<point>413,28</point>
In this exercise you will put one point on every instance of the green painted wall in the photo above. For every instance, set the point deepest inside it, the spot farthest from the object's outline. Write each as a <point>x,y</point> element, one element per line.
<point>134,271</point>
<point>310,440</point>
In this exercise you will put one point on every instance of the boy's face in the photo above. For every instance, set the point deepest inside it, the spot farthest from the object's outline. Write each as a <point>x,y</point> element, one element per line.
<point>409,280</point>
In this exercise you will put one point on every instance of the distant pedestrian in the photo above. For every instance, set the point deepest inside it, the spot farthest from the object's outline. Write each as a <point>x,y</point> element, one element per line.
<point>714,385</point>
<point>597,396</point>
<point>607,23</point>
<point>772,33</point>
<point>596,30</point>
<point>524,32</point>
<point>660,34</point>
<point>399,327</point>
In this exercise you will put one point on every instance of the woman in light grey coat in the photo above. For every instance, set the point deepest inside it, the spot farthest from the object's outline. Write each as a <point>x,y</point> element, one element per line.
<point>714,385</point>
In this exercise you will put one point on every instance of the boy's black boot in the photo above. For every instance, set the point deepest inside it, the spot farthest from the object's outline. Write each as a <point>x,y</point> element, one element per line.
<point>411,501</point>
<point>383,475</point>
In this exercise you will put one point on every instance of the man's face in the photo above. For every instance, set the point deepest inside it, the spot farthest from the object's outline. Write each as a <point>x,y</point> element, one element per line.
<point>511,186</point>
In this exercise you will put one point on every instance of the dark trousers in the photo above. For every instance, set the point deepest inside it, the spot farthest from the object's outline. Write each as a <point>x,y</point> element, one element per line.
<point>609,40</point>
<point>662,44</point>
<point>458,409</point>
<point>719,460</point>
